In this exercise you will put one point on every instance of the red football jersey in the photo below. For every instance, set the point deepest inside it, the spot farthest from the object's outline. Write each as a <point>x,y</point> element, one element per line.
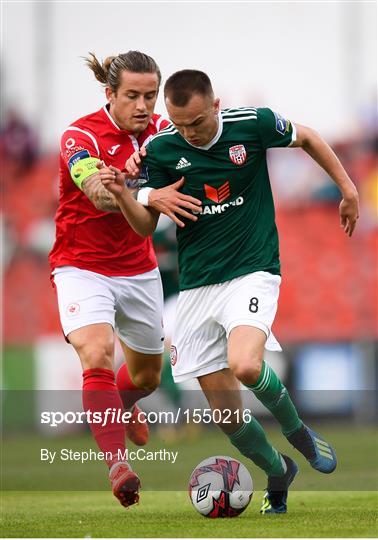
<point>86,237</point>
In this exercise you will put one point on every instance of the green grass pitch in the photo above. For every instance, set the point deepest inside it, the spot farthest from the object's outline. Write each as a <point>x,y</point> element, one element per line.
<point>343,504</point>
<point>170,515</point>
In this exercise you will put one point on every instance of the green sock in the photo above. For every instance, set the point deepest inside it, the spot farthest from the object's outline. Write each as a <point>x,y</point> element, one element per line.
<point>275,397</point>
<point>251,441</point>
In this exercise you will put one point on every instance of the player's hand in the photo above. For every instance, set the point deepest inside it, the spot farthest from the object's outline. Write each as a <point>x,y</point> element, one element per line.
<point>349,213</point>
<point>134,163</point>
<point>111,178</point>
<point>170,201</point>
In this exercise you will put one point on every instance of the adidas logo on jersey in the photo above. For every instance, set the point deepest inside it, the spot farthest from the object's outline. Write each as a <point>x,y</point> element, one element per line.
<point>182,163</point>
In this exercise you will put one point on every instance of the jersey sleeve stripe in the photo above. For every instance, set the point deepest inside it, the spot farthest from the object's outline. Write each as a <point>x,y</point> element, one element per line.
<point>242,110</point>
<point>237,118</point>
<point>239,113</point>
<point>164,132</point>
<point>74,128</point>
<point>168,128</point>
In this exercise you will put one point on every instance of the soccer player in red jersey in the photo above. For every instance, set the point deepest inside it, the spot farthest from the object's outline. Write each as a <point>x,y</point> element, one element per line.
<point>106,275</point>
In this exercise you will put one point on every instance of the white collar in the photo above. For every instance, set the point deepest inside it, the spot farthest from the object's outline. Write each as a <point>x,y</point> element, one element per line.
<point>111,118</point>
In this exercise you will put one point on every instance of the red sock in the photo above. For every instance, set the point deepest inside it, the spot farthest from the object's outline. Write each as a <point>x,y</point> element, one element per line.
<point>128,391</point>
<point>99,394</point>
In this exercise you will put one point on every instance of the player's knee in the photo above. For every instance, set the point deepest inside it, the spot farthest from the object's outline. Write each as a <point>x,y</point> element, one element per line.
<point>147,380</point>
<point>96,356</point>
<point>248,370</point>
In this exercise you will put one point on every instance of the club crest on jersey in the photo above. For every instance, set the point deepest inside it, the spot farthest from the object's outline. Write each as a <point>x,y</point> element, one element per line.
<point>72,309</point>
<point>173,355</point>
<point>238,154</point>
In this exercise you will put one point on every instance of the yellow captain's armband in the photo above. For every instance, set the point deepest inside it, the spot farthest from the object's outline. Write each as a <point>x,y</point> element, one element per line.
<point>82,169</point>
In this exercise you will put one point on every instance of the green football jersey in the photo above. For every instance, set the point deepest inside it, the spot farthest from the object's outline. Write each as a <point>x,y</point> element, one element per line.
<point>236,232</point>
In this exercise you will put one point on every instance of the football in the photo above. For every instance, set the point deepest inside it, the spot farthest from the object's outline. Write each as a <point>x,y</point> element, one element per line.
<point>220,486</point>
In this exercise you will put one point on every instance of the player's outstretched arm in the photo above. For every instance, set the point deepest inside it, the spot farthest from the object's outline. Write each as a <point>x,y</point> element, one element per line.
<point>167,200</point>
<point>322,153</point>
<point>170,201</point>
<point>143,220</point>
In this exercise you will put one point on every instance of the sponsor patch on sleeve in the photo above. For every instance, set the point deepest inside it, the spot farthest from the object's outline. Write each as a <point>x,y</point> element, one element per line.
<point>138,182</point>
<point>282,125</point>
<point>67,153</point>
<point>83,154</point>
<point>143,177</point>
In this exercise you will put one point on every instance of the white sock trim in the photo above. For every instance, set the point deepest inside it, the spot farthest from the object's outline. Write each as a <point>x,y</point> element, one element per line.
<point>119,463</point>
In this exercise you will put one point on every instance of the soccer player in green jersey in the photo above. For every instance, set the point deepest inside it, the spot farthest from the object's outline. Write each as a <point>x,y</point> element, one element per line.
<point>229,258</point>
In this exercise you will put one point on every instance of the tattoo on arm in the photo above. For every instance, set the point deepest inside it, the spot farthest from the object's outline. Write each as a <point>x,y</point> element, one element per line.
<point>99,195</point>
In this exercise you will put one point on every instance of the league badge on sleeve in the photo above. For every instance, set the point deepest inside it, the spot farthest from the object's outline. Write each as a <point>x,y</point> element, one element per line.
<point>83,154</point>
<point>238,154</point>
<point>138,182</point>
<point>282,125</point>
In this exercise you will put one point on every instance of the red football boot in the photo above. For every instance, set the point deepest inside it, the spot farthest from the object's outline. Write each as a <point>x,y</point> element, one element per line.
<point>125,483</point>
<point>137,430</point>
